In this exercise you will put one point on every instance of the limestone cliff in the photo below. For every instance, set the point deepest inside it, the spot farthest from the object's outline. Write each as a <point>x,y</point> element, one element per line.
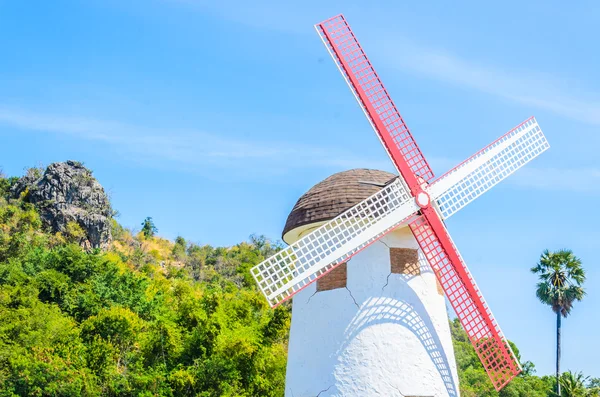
<point>67,192</point>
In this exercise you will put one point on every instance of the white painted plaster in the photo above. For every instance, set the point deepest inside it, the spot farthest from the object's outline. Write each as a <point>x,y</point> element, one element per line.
<point>382,336</point>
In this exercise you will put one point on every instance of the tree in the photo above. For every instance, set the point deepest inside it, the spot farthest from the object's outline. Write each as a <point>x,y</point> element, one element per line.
<point>6,183</point>
<point>179,248</point>
<point>561,277</point>
<point>265,246</point>
<point>148,227</point>
<point>594,387</point>
<point>574,384</point>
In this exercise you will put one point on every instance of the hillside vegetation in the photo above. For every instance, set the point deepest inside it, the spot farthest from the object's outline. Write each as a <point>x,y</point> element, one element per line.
<point>151,317</point>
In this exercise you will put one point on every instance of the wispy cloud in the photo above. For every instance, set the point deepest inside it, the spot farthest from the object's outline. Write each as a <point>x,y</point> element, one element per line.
<point>200,151</point>
<point>584,180</point>
<point>535,90</point>
<point>576,180</point>
<point>187,149</point>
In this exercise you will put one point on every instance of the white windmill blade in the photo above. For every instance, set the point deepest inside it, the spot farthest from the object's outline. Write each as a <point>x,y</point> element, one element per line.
<point>488,167</point>
<point>304,261</point>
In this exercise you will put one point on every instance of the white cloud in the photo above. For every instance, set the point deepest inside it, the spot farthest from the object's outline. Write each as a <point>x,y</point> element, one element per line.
<point>532,89</point>
<point>536,90</point>
<point>580,180</point>
<point>187,149</point>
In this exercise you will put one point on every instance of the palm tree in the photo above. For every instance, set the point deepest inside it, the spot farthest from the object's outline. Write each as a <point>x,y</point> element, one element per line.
<point>560,284</point>
<point>574,385</point>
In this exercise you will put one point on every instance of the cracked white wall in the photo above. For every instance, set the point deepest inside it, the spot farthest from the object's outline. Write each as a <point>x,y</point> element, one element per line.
<point>371,340</point>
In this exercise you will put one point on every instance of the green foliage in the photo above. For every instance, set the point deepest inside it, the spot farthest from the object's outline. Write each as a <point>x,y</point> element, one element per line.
<point>474,382</point>
<point>35,172</point>
<point>561,277</point>
<point>76,323</point>
<point>6,184</point>
<point>575,384</point>
<point>148,228</point>
<point>265,246</point>
<point>74,232</point>
<point>20,230</point>
<point>117,231</point>
<point>179,249</point>
<point>156,318</point>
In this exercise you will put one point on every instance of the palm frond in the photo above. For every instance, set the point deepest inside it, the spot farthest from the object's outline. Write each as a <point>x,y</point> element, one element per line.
<point>573,384</point>
<point>560,278</point>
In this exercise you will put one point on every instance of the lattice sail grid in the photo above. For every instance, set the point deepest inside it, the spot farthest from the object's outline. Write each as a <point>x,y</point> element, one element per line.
<point>341,42</point>
<point>488,167</point>
<point>492,348</point>
<point>293,268</point>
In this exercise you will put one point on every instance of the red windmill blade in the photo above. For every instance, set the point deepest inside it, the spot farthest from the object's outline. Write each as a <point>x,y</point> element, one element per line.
<point>492,348</point>
<point>475,316</point>
<point>374,100</point>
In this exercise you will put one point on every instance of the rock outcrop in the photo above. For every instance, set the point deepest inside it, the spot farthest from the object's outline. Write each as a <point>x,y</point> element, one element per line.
<point>67,192</point>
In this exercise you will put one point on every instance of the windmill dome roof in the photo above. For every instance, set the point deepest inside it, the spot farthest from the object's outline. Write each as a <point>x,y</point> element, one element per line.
<point>329,198</point>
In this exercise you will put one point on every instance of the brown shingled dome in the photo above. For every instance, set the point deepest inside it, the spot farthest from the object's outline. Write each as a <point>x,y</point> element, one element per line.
<point>331,197</point>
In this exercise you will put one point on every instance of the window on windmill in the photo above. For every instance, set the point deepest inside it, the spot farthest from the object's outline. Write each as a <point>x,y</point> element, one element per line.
<point>405,261</point>
<point>336,278</point>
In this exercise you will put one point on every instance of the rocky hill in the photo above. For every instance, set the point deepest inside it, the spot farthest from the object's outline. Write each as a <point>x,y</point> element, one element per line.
<point>66,194</point>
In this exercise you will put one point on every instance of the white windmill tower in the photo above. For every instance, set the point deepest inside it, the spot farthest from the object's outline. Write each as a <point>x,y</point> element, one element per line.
<point>374,323</point>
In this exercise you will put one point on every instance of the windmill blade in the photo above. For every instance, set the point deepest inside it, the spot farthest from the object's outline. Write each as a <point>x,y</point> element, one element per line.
<point>374,100</point>
<point>488,167</point>
<point>465,297</point>
<point>317,253</point>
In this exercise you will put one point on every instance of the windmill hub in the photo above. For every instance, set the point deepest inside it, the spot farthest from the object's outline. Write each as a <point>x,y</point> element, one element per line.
<point>423,199</point>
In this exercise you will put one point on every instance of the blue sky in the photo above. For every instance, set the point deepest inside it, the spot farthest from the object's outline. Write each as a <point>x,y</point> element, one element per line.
<point>214,117</point>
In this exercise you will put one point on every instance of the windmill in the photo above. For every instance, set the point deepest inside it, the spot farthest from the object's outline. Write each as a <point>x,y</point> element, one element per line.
<point>415,199</point>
